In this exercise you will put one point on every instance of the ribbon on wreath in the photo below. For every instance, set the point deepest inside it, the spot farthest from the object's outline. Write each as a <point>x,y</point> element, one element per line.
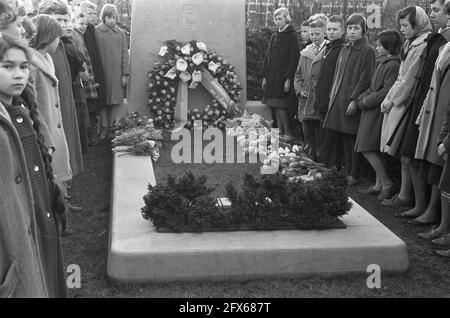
<point>181,106</point>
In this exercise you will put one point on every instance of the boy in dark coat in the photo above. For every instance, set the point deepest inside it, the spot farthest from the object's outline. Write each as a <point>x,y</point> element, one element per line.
<point>330,150</point>
<point>354,71</point>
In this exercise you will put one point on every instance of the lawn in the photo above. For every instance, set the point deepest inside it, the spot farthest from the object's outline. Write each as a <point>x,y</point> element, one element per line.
<point>428,276</point>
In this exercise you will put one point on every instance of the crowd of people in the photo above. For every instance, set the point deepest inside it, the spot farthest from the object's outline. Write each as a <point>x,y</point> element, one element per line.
<point>63,70</point>
<point>357,104</point>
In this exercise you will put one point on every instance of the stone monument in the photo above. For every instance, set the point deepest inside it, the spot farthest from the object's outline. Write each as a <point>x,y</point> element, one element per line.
<point>219,23</point>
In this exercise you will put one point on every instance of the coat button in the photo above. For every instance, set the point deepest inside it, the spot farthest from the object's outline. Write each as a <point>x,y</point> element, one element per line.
<point>36,168</point>
<point>19,119</point>
<point>59,125</point>
<point>18,179</point>
<point>48,215</point>
<point>56,105</point>
<point>30,230</point>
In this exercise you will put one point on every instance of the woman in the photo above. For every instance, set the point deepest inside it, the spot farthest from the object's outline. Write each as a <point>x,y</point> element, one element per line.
<point>280,64</point>
<point>415,26</point>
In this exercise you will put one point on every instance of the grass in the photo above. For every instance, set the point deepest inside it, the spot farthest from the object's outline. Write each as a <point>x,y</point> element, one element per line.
<point>428,276</point>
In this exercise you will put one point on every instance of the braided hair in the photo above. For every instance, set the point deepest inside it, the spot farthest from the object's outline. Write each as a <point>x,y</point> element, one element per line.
<point>28,99</point>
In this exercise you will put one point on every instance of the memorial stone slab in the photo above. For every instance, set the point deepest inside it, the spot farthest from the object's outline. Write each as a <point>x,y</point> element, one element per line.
<point>219,23</point>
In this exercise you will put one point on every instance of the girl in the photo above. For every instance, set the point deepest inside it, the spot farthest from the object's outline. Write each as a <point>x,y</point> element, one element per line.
<point>369,131</point>
<point>354,70</point>
<point>415,26</point>
<point>278,69</point>
<point>44,43</point>
<point>31,207</point>
<point>113,49</point>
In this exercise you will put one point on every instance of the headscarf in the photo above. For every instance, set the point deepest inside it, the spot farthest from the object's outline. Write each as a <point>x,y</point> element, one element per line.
<point>423,23</point>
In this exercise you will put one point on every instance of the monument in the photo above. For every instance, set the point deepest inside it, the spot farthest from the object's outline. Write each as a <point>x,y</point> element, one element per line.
<point>220,24</point>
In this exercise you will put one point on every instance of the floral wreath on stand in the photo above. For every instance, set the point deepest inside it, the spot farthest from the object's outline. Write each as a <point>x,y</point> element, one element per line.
<point>183,66</point>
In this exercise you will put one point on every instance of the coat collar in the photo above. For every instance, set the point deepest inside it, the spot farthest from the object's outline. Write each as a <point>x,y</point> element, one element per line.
<point>384,60</point>
<point>337,43</point>
<point>358,45</point>
<point>4,115</point>
<point>308,52</point>
<point>420,39</point>
<point>104,28</point>
<point>44,63</point>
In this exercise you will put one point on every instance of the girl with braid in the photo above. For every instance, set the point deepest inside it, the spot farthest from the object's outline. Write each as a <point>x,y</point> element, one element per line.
<point>31,207</point>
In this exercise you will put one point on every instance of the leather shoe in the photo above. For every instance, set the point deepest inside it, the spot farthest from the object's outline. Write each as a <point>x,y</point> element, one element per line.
<point>420,223</point>
<point>443,253</point>
<point>403,215</point>
<point>443,240</point>
<point>396,201</point>
<point>431,235</point>
<point>369,190</point>
<point>74,208</point>
<point>386,194</point>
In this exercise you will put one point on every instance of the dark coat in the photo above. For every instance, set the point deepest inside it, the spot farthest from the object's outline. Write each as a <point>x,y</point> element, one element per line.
<point>280,62</point>
<point>96,60</point>
<point>369,131</point>
<point>444,137</point>
<point>327,70</point>
<point>434,42</point>
<point>68,110</point>
<point>354,71</point>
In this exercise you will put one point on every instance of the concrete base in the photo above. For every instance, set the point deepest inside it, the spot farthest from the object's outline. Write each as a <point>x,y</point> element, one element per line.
<point>138,254</point>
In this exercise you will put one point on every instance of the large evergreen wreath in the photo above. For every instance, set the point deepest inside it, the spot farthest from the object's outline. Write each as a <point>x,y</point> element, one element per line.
<point>187,62</point>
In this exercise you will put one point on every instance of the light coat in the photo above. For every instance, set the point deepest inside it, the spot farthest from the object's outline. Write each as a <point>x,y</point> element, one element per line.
<point>306,78</point>
<point>395,122</point>
<point>113,48</point>
<point>46,86</point>
<point>21,269</point>
<point>434,110</point>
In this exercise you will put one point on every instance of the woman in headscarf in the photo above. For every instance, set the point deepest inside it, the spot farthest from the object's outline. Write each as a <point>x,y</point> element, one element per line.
<point>415,26</point>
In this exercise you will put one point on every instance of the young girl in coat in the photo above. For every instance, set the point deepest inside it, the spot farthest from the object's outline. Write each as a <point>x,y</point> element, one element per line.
<point>369,131</point>
<point>31,208</point>
<point>415,26</point>
<point>278,69</point>
<point>354,71</point>
<point>113,48</point>
<point>45,42</point>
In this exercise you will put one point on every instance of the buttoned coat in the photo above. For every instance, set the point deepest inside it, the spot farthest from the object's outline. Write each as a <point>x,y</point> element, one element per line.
<point>68,110</point>
<point>369,131</point>
<point>21,269</point>
<point>354,71</point>
<point>306,78</point>
<point>280,62</point>
<point>434,110</point>
<point>46,86</point>
<point>395,122</point>
<point>113,48</point>
<point>444,137</point>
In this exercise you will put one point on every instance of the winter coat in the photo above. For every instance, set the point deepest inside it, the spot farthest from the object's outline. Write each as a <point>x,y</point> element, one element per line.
<point>434,41</point>
<point>354,71</point>
<point>46,86</point>
<point>369,131</point>
<point>280,62</point>
<point>21,269</point>
<point>88,84</point>
<point>325,81</point>
<point>434,110</point>
<point>113,49</point>
<point>68,110</point>
<point>96,60</point>
<point>394,123</point>
<point>444,137</point>
<point>306,78</point>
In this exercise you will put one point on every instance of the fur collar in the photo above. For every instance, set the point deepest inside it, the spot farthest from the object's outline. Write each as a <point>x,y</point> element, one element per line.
<point>44,63</point>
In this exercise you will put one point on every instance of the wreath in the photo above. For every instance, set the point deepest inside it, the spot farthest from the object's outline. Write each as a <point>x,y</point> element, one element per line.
<point>183,66</point>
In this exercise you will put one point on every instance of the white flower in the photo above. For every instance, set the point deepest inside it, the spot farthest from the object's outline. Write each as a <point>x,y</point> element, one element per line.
<point>182,65</point>
<point>295,148</point>
<point>240,139</point>
<point>197,58</point>
<point>267,162</point>
<point>163,50</point>
<point>201,46</point>
<point>213,67</point>
<point>186,50</point>
<point>185,76</point>
<point>196,76</point>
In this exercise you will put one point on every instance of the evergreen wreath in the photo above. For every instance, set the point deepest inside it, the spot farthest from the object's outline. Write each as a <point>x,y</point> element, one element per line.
<point>187,61</point>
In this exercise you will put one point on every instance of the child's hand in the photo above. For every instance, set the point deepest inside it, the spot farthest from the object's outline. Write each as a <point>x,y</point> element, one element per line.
<point>352,108</point>
<point>442,150</point>
<point>287,86</point>
<point>386,107</point>
<point>264,83</point>
<point>304,94</point>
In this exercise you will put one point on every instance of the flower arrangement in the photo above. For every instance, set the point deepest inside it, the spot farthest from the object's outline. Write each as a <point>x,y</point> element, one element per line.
<point>192,64</point>
<point>136,135</point>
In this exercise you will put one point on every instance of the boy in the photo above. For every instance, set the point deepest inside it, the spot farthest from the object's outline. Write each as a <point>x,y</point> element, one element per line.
<point>335,31</point>
<point>306,76</point>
